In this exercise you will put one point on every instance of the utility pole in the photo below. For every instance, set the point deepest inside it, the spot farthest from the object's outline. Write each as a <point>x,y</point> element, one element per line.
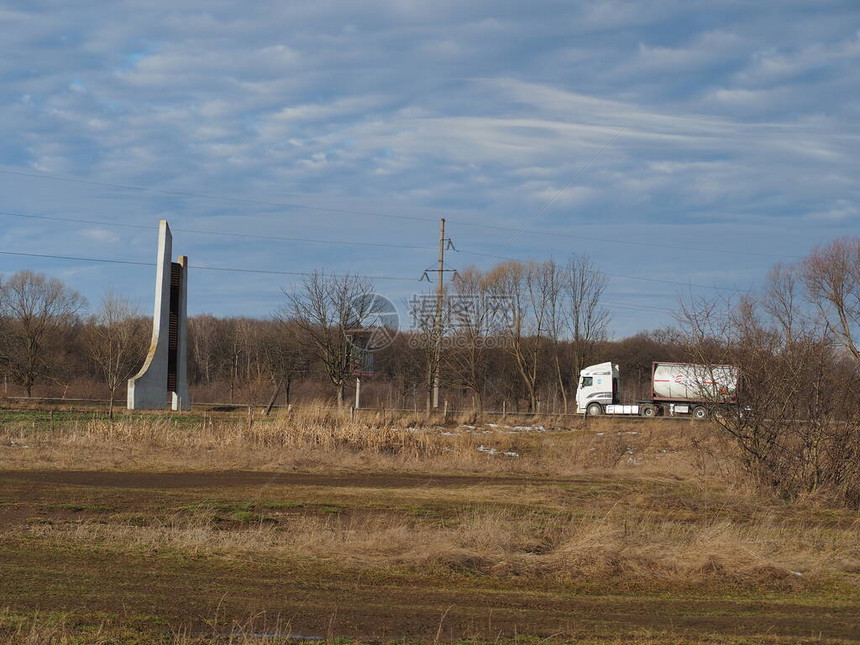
<point>437,324</point>
<point>436,360</point>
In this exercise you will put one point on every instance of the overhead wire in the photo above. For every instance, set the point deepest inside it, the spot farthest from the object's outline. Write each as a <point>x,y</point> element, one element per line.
<point>484,226</point>
<point>205,268</point>
<point>224,198</point>
<point>336,242</point>
<point>626,305</point>
<point>293,273</point>
<point>614,305</point>
<point>616,275</point>
<point>281,238</point>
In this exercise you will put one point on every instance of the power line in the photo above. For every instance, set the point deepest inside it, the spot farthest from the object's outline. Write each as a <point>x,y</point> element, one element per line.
<point>652,245</point>
<point>674,282</point>
<point>614,305</point>
<point>202,268</point>
<point>279,238</point>
<point>78,259</point>
<point>224,198</point>
<point>625,305</point>
<point>74,220</point>
<point>305,273</point>
<point>307,200</point>
<point>333,242</point>
<point>617,275</point>
<point>496,227</point>
<point>304,239</point>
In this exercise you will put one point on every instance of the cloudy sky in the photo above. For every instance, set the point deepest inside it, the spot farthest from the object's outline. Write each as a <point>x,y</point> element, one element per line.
<point>685,146</point>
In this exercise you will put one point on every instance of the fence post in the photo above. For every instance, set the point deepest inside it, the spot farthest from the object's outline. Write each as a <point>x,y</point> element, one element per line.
<point>357,392</point>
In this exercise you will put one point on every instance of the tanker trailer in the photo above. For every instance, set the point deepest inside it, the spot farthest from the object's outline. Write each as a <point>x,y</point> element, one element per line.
<point>677,389</point>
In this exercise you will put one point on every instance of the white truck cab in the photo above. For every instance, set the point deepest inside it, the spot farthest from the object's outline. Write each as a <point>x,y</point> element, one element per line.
<point>597,388</point>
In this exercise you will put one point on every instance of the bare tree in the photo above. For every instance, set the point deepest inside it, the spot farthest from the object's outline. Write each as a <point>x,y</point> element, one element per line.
<point>584,285</point>
<point>524,286</point>
<point>36,308</point>
<point>5,335</point>
<point>116,339</point>
<point>326,308</point>
<point>782,297</point>
<point>469,317</point>
<point>832,277</point>
<point>547,304</point>
<point>202,341</point>
<point>284,356</point>
<point>422,309</point>
<point>253,371</point>
<point>796,419</point>
<point>229,353</point>
<point>553,285</point>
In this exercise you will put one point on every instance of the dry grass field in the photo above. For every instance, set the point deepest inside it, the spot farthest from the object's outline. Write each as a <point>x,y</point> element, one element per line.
<point>216,527</point>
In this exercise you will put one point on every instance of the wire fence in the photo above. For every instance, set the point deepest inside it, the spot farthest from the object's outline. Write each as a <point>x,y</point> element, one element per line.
<point>446,414</point>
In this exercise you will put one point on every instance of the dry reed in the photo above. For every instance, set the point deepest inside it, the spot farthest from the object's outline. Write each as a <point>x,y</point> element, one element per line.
<point>328,440</point>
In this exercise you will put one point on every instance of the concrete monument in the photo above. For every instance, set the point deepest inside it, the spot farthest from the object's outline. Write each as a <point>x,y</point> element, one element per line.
<point>163,379</point>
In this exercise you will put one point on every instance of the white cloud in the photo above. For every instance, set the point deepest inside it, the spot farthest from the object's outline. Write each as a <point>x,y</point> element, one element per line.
<point>707,49</point>
<point>101,235</point>
<point>476,111</point>
<point>759,99</point>
<point>842,211</point>
<point>774,65</point>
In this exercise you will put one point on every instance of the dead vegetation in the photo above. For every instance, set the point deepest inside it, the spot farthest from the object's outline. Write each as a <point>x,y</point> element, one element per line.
<point>316,438</point>
<point>629,549</point>
<point>615,508</point>
<point>631,534</point>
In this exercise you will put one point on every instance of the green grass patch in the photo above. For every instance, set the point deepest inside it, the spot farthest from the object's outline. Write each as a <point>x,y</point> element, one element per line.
<point>250,517</point>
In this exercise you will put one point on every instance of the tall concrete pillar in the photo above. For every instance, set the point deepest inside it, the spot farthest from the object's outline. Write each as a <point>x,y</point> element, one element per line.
<point>163,379</point>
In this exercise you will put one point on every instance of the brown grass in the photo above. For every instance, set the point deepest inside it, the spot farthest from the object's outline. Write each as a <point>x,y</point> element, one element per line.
<point>53,629</point>
<point>631,548</point>
<point>615,507</point>
<point>323,439</point>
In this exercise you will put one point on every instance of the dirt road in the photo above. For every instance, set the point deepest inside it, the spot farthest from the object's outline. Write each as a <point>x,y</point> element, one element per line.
<point>212,591</point>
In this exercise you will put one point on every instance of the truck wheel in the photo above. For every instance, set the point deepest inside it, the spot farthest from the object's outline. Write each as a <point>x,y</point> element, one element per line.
<point>594,410</point>
<point>649,411</point>
<point>700,413</point>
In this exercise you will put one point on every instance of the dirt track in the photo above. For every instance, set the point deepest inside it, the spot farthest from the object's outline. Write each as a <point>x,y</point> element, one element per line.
<point>164,480</point>
<point>193,592</point>
<point>170,586</point>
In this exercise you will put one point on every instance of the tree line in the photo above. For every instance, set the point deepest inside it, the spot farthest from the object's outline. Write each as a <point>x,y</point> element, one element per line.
<point>513,335</point>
